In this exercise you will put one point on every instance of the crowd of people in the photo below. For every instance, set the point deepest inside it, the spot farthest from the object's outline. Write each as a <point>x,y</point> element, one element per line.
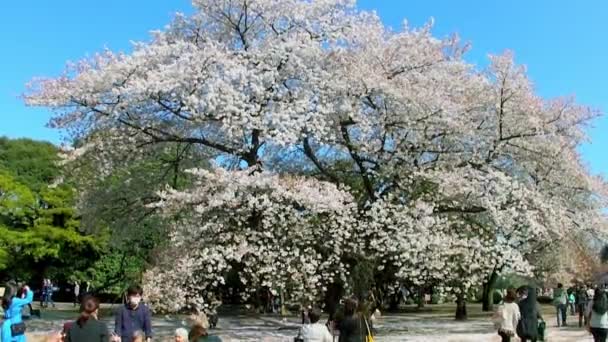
<point>132,321</point>
<point>46,295</point>
<point>350,325</point>
<point>520,314</point>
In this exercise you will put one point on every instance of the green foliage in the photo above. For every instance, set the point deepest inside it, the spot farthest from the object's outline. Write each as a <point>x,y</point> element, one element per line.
<point>116,206</point>
<point>32,163</point>
<point>39,225</point>
<point>108,238</point>
<point>496,297</point>
<point>512,281</point>
<point>362,277</point>
<point>435,298</point>
<point>113,272</point>
<point>16,201</point>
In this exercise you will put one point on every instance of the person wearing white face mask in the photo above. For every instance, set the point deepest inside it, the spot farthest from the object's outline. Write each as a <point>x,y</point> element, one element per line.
<point>133,316</point>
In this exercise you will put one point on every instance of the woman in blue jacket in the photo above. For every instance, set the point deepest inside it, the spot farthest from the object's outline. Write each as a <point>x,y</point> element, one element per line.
<point>12,306</point>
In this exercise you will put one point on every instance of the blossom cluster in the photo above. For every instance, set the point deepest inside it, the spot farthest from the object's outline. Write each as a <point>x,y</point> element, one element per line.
<point>333,136</point>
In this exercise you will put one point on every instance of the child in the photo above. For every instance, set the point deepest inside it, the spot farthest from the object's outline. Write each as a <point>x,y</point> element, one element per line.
<point>571,301</point>
<point>139,336</point>
<point>181,335</point>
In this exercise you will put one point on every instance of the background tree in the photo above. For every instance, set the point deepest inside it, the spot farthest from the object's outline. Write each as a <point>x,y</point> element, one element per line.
<point>40,226</point>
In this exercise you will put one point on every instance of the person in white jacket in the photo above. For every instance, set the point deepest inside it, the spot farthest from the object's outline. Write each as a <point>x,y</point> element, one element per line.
<point>507,317</point>
<point>315,331</point>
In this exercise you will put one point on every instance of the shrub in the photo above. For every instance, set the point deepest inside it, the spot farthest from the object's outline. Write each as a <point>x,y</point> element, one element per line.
<point>497,297</point>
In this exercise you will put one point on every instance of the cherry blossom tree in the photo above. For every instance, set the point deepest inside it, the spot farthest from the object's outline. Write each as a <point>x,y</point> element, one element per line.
<point>283,232</point>
<point>336,139</point>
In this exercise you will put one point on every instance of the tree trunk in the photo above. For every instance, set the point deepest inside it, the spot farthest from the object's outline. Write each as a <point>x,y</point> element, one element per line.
<point>395,300</point>
<point>332,299</point>
<point>420,297</point>
<point>282,308</point>
<point>461,308</point>
<point>487,296</point>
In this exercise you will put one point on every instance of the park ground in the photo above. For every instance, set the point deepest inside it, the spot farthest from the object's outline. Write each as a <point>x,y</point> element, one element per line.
<point>434,324</point>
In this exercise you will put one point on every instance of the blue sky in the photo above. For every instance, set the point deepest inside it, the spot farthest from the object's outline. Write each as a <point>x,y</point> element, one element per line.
<point>564,44</point>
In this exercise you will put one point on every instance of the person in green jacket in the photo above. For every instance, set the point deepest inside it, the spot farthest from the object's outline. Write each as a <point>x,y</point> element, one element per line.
<point>571,301</point>
<point>88,328</point>
<point>560,300</point>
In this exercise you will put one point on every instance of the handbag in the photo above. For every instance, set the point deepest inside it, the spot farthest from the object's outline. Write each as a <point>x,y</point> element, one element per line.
<point>17,329</point>
<point>368,336</point>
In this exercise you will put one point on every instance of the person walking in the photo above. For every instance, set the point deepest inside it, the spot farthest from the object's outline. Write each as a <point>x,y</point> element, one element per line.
<point>560,301</point>
<point>304,314</point>
<point>88,328</point>
<point>581,305</point>
<point>590,292</point>
<point>404,293</point>
<point>527,328</point>
<point>43,289</point>
<point>13,328</point>
<point>76,293</point>
<point>507,317</point>
<point>353,327</point>
<point>133,316</point>
<point>571,301</point>
<point>597,316</point>
<point>315,331</point>
<point>49,293</point>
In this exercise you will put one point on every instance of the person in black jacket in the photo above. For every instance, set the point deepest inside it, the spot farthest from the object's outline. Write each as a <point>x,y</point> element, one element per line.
<point>353,326</point>
<point>88,328</point>
<point>527,329</point>
<point>581,304</point>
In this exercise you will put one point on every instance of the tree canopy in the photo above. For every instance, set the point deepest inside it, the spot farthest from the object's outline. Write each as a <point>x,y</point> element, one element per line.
<point>334,141</point>
<point>39,225</point>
